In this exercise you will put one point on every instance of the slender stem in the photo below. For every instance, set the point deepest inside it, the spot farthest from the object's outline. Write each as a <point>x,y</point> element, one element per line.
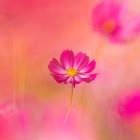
<point>70,103</point>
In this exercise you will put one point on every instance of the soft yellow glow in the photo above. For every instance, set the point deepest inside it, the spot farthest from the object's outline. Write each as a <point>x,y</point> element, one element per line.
<point>72,72</point>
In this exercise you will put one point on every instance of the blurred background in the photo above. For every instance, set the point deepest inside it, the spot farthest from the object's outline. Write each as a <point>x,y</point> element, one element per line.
<point>32,32</point>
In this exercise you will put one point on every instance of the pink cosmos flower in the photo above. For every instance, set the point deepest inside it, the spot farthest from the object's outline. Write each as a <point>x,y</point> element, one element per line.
<point>109,17</point>
<point>72,69</point>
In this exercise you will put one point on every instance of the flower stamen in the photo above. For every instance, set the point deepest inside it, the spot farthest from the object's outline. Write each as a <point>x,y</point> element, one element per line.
<point>72,72</point>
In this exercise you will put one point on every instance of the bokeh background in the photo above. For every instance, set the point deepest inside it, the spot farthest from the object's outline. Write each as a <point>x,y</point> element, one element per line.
<point>32,32</point>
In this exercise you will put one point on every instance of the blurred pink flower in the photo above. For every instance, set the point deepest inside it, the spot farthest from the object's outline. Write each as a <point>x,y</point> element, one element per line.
<point>109,18</point>
<point>13,122</point>
<point>127,115</point>
<point>73,69</point>
<point>130,105</point>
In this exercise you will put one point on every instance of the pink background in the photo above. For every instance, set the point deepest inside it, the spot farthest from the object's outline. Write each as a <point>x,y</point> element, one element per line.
<point>32,32</point>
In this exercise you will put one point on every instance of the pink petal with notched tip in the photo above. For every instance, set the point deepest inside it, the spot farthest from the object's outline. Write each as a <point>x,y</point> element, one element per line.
<point>81,60</point>
<point>67,59</point>
<point>88,68</point>
<point>88,78</point>
<point>55,67</point>
<point>60,78</point>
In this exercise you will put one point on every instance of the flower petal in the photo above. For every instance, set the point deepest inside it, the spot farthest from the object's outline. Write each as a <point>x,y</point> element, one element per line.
<point>67,59</point>
<point>71,81</point>
<point>77,79</point>
<point>55,67</point>
<point>130,30</point>
<point>81,60</point>
<point>60,78</point>
<point>89,67</point>
<point>88,78</point>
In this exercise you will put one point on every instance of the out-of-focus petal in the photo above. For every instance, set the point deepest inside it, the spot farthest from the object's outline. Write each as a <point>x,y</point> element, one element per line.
<point>5,130</point>
<point>55,67</point>
<point>130,30</point>
<point>67,59</point>
<point>13,122</point>
<point>89,67</point>
<point>81,60</point>
<point>130,106</point>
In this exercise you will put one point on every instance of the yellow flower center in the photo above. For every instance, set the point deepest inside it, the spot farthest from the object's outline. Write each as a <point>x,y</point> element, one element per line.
<point>72,72</point>
<point>109,26</point>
